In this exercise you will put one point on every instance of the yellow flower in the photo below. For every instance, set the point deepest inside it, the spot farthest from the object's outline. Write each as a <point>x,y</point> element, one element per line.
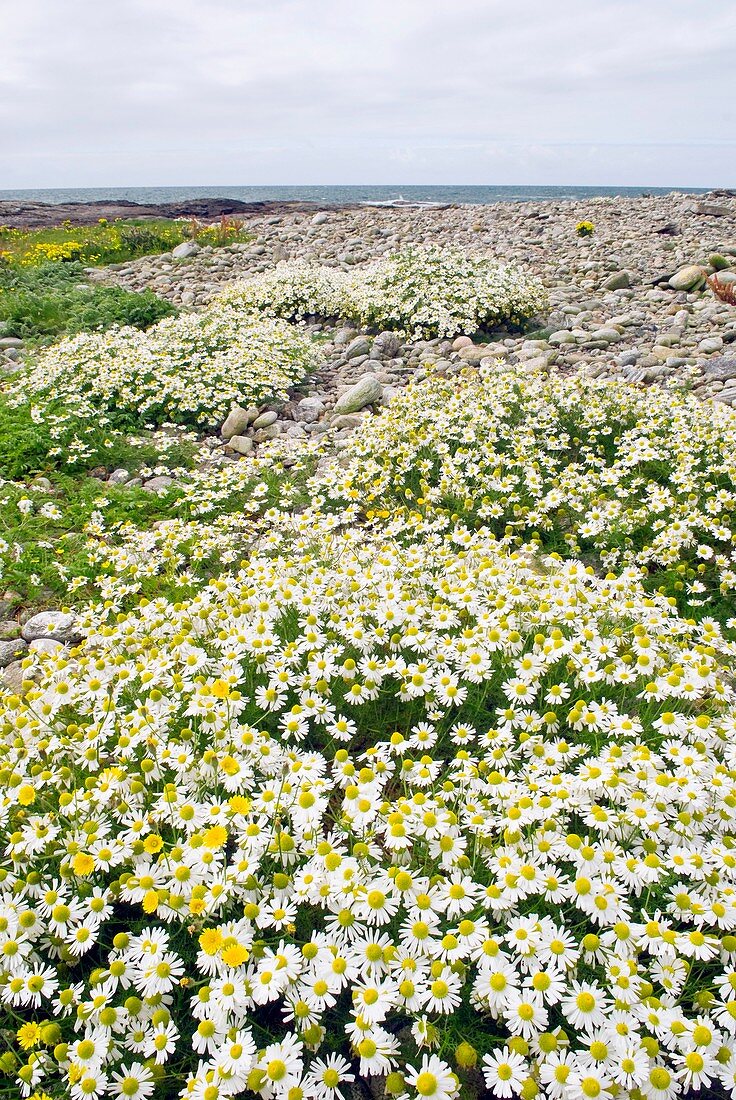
<point>150,901</point>
<point>235,955</point>
<point>210,941</point>
<point>215,837</point>
<point>239,804</point>
<point>83,863</point>
<point>29,1036</point>
<point>27,795</point>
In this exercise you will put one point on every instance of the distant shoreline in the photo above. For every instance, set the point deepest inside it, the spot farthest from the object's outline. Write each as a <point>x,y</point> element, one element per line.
<point>25,212</point>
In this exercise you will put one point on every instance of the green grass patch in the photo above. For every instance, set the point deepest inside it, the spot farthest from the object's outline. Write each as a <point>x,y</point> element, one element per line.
<point>41,304</point>
<point>111,242</point>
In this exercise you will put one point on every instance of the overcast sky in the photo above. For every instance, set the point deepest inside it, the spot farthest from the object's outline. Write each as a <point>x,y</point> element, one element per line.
<point>164,92</point>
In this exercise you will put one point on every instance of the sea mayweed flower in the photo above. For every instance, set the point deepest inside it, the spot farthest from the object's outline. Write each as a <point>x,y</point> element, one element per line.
<point>421,292</point>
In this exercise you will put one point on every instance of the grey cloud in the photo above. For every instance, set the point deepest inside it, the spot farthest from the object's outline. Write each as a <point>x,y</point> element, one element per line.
<point>290,91</point>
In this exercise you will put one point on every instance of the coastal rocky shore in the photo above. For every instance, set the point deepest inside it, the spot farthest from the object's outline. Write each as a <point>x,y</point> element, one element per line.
<point>631,300</point>
<point>30,214</point>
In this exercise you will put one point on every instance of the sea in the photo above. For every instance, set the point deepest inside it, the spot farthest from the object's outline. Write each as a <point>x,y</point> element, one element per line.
<point>336,195</point>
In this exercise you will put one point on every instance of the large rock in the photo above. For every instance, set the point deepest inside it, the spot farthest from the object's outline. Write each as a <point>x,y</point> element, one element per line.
<point>712,209</point>
<point>184,250</point>
<point>720,369</point>
<point>238,419</point>
<point>158,484</point>
<point>241,444</point>
<point>48,646</point>
<point>359,346</point>
<point>687,278</point>
<point>620,280</point>
<point>309,410</point>
<point>266,419</point>
<point>386,345</point>
<point>13,676</point>
<point>11,651</point>
<point>59,625</point>
<point>270,431</point>
<point>473,353</point>
<point>343,336</point>
<point>365,391</point>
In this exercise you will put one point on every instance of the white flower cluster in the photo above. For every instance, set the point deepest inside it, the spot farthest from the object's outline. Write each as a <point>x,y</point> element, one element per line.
<point>422,292</point>
<point>342,804</point>
<point>188,369</point>
<point>635,478</point>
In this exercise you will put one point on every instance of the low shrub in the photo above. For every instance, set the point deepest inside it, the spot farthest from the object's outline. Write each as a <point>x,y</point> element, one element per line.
<point>599,469</point>
<point>185,370</point>
<point>421,292</point>
<point>111,242</point>
<point>41,304</point>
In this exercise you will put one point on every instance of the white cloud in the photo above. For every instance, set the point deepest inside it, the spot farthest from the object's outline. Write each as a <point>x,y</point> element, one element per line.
<point>118,92</point>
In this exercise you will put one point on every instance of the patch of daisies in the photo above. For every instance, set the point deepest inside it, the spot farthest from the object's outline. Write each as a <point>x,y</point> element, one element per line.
<point>430,789</point>
<point>357,803</point>
<point>420,292</point>
<point>189,370</point>
<point>621,476</point>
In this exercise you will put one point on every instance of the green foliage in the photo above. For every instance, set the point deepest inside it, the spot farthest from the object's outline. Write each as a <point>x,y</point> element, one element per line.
<point>41,304</point>
<point>110,242</point>
<point>28,448</point>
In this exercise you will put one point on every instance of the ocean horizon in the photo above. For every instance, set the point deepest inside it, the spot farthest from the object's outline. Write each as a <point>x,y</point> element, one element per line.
<point>340,195</point>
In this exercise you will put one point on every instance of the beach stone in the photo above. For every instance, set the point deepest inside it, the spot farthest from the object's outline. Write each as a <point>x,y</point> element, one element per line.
<point>687,278</point>
<point>309,410</point>
<point>367,390</point>
<point>237,420</point>
<point>461,342</point>
<point>11,651</point>
<point>359,346</point>
<point>157,484</point>
<point>266,419</point>
<point>720,369</point>
<point>13,676</point>
<point>620,280</point>
<point>241,444</point>
<point>386,345</point>
<point>59,625</point>
<point>184,250</point>
<point>320,219</point>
